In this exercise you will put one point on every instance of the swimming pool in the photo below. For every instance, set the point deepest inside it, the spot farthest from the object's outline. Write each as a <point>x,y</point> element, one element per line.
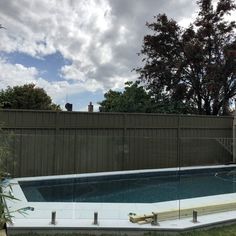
<point>172,192</point>
<point>140,187</point>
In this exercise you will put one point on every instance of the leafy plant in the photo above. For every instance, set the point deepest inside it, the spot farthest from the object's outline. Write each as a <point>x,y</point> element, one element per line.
<point>6,216</point>
<point>5,155</point>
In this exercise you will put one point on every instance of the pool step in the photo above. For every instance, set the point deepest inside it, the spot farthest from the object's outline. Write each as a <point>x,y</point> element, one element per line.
<point>182,213</point>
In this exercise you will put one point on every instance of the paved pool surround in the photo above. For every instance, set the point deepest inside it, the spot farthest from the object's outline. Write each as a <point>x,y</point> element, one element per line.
<point>79,216</point>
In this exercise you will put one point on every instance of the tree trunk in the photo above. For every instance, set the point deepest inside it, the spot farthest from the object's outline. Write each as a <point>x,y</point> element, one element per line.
<point>199,104</point>
<point>207,107</point>
<point>225,107</point>
<point>215,108</point>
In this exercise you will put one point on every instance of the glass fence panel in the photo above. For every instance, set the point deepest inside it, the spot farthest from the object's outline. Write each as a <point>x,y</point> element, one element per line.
<point>207,176</point>
<point>119,177</point>
<point>168,176</point>
<point>75,177</point>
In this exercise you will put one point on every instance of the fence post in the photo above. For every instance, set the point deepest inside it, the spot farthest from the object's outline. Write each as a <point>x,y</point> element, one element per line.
<point>195,216</point>
<point>234,133</point>
<point>179,157</point>
<point>124,155</point>
<point>56,134</point>
<point>178,142</point>
<point>53,217</point>
<point>95,218</point>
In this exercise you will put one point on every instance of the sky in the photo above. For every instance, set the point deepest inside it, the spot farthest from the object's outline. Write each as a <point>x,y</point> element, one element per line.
<point>78,49</point>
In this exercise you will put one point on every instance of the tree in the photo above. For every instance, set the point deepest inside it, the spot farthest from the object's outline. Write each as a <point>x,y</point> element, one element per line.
<point>134,98</point>
<point>27,96</point>
<point>196,65</point>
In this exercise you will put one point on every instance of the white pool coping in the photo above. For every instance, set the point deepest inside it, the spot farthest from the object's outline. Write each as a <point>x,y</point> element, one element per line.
<point>112,215</point>
<point>120,172</point>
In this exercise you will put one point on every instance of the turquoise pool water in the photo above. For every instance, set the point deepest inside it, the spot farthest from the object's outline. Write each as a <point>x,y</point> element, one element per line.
<point>133,188</point>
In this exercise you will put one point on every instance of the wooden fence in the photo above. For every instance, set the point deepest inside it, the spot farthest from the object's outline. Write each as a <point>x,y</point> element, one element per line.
<point>48,142</point>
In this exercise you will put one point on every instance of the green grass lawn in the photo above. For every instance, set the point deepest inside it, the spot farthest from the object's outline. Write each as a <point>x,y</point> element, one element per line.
<point>220,231</point>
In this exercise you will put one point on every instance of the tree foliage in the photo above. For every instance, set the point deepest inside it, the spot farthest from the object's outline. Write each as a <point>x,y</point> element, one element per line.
<point>134,98</point>
<point>27,96</point>
<point>195,66</point>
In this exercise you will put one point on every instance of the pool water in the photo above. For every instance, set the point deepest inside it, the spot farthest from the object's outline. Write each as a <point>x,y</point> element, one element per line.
<point>133,188</point>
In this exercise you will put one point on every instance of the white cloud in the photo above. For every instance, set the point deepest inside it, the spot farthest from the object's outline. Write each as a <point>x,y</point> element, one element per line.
<point>100,37</point>
<point>186,21</point>
<point>17,74</point>
<point>42,27</point>
<point>12,75</point>
<point>72,72</point>
<point>122,35</point>
<point>105,53</point>
<point>91,33</point>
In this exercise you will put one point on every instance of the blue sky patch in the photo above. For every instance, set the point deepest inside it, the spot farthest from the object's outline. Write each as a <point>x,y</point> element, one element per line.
<point>48,66</point>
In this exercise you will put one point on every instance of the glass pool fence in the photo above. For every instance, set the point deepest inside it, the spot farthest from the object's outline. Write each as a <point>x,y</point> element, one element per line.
<point>172,176</point>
